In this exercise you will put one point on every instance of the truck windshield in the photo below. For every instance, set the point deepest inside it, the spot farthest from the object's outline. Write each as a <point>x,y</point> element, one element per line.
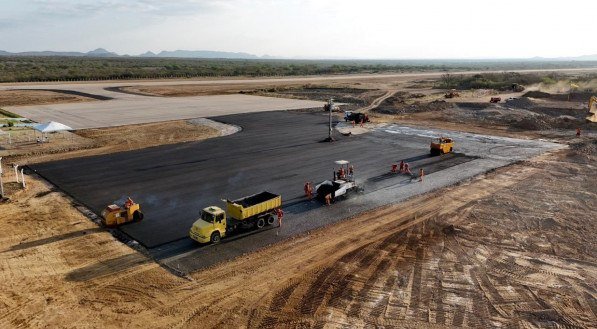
<point>207,217</point>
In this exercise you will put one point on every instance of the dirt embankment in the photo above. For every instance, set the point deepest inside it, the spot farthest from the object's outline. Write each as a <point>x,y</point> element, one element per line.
<point>512,248</point>
<point>520,114</point>
<point>89,142</point>
<point>38,97</point>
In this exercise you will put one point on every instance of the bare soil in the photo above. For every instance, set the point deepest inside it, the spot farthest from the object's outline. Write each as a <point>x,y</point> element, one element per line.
<point>37,97</point>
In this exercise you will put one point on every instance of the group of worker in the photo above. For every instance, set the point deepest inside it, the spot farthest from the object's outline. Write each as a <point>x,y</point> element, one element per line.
<point>342,174</point>
<point>405,169</point>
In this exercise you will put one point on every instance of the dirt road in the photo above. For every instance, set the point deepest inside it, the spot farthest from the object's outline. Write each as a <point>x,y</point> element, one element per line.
<point>514,248</point>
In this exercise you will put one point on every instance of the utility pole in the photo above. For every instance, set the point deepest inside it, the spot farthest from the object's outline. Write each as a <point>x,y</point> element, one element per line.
<point>330,106</point>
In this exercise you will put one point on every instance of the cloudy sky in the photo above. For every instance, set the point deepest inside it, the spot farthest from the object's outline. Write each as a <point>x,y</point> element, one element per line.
<point>306,28</point>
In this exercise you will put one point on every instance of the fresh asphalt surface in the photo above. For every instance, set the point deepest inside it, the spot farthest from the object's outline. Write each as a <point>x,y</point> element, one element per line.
<point>274,151</point>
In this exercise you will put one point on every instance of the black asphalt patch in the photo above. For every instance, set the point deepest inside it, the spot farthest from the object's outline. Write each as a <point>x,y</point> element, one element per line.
<point>275,151</point>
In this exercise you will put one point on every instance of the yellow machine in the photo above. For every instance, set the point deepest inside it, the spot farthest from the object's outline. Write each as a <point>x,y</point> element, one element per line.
<point>115,215</point>
<point>442,145</point>
<point>254,211</point>
<point>592,109</point>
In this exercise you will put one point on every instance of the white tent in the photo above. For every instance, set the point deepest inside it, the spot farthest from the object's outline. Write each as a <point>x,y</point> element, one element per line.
<point>51,127</point>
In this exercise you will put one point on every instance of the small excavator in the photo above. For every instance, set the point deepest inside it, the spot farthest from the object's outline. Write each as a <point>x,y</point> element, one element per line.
<point>592,109</point>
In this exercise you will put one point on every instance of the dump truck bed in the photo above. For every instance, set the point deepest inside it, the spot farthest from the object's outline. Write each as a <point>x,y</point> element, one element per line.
<point>253,205</point>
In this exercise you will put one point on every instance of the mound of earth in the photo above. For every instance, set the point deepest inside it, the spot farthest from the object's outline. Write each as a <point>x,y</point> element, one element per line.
<point>521,103</point>
<point>586,147</point>
<point>537,94</point>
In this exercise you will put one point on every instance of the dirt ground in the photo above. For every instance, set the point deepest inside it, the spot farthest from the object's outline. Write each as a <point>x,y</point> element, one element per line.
<point>37,97</point>
<point>89,142</point>
<point>514,248</point>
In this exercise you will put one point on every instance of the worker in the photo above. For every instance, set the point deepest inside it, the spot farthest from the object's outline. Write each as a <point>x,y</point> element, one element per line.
<point>401,166</point>
<point>328,199</point>
<point>394,168</point>
<point>407,169</point>
<point>128,203</point>
<point>577,132</point>
<point>334,174</point>
<point>308,190</point>
<point>341,173</point>
<point>280,214</point>
<point>362,121</point>
<point>350,171</point>
<point>421,174</point>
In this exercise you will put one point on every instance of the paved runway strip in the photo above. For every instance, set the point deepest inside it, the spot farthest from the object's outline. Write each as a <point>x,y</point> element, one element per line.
<point>275,151</point>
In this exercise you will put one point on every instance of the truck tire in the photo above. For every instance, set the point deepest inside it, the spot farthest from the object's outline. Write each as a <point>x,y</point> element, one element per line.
<point>215,237</point>
<point>270,220</point>
<point>260,223</point>
<point>137,216</point>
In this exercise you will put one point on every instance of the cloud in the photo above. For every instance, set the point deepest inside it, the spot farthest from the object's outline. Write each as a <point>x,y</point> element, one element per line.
<point>87,8</point>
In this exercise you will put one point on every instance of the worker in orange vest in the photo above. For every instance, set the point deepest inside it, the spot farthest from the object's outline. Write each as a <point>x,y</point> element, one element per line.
<point>308,190</point>
<point>328,199</point>
<point>128,203</point>
<point>407,169</point>
<point>394,168</point>
<point>421,174</point>
<point>341,173</point>
<point>401,166</point>
<point>280,214</point>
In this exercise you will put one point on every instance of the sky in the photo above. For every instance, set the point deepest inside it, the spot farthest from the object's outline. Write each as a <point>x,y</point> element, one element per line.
<point>373,29</point>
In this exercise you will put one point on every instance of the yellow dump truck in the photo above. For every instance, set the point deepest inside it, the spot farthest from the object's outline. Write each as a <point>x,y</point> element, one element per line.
<point>441,145</point>
<point>251,212</point>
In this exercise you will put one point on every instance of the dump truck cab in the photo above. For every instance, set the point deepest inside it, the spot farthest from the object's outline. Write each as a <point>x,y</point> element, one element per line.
<point>115,215</point>
<point>441,145</point>
<point>211,225</point>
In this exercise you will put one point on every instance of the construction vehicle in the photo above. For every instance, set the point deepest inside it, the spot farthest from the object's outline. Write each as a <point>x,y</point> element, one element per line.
<point>592,109</point>
<point>495,99</point>
<point>441,145</point>
<point>251,212</point>
<point>452,94</point>
<point>355,116</point>
<point>517,88</point>
<point>342,184</point>
<point>115,215</point>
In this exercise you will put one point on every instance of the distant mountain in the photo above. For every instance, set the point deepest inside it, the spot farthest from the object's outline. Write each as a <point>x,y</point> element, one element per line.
<point>576,58</point>
<point>148,54</point>
<point>101,52</point>
<point>205,54</point>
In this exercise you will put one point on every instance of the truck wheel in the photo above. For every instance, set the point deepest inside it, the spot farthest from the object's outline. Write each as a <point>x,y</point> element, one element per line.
<point>270,220</point>
<point>215,237</point>
<point>137,216</point>
<point>260,223</point>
